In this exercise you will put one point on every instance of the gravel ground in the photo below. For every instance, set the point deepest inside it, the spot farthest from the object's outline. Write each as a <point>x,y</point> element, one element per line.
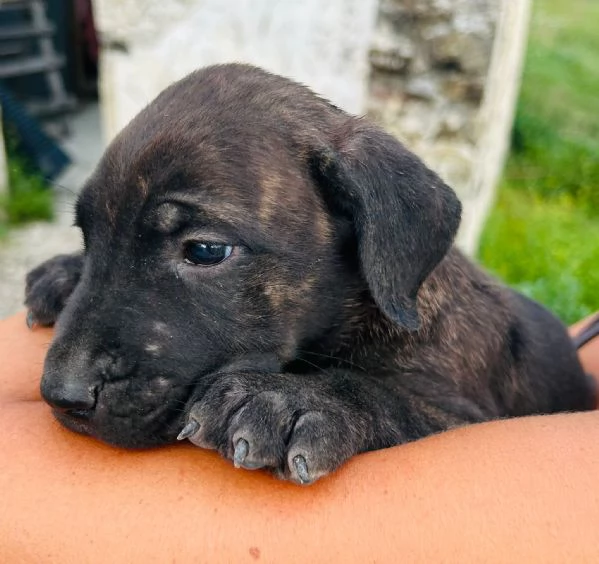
<point>27,246</point>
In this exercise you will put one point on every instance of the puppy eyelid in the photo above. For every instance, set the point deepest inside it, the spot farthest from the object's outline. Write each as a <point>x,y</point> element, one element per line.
<point>218,237</point>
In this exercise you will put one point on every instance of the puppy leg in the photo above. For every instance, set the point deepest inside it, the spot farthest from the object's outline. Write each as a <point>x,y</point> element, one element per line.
<point>303,427</point>
<point>48,287</point>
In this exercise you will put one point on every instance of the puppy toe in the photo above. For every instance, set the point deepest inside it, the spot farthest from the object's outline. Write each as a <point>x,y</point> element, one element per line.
<point>48,287</point>
<point>259,431</point>
<point>205,427</point>
<point>316,448</point>
<point>44,304</point>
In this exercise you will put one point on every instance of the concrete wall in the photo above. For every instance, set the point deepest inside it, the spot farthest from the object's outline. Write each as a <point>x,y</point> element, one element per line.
<point>442,75</point>
<point>149,44</point>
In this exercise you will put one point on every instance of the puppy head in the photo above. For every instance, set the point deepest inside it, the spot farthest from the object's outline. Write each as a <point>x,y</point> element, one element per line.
<point>229,223</point>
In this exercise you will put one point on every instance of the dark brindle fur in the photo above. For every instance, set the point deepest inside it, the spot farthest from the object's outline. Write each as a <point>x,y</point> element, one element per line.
<point>342,322</point>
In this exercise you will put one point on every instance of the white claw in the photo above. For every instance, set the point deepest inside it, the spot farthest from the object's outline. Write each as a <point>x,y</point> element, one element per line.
<point>301,468</point>
<point>30,319</point>
<point>241,451</point>
<point>191,428</point>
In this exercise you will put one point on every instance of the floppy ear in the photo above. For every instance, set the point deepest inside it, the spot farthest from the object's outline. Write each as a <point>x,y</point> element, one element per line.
<point>404,216</point>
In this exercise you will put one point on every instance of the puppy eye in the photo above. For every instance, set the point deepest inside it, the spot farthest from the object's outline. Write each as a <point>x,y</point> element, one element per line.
<point>204,253</point>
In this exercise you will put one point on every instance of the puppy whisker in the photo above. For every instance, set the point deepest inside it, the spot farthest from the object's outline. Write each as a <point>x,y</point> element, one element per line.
<point>318,368</point>
<point>61,187</point>
<point>345,361</point>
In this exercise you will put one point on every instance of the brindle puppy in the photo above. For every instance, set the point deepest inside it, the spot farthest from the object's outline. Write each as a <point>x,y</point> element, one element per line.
<point>277,278</point>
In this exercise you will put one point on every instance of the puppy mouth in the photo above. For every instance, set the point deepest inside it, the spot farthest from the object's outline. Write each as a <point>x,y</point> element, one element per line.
<point>121,432</point>
<point>81,414</point>
<point>125,422</point>
<point>77,420</point>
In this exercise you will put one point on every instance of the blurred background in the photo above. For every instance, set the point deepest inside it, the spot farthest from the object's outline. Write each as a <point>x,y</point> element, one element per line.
<point>499,97</point>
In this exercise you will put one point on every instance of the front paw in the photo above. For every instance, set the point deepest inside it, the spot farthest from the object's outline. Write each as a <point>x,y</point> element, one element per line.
<point>48,287</point>
<point>274,422</point>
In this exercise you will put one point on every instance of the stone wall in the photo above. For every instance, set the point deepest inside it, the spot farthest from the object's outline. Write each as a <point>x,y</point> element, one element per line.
<point>429,63</point>
<point>436,67</point>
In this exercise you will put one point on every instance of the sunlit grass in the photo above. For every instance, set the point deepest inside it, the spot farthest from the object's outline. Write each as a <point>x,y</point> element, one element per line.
<point>547,249</point>
<point>543,235</point>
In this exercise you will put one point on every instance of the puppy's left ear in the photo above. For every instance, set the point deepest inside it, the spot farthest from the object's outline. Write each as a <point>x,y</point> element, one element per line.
<point>405,218</point>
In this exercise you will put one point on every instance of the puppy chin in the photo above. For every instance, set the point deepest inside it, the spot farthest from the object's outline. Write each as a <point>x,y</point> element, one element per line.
<point>76,424</point>
<point>128,437</point>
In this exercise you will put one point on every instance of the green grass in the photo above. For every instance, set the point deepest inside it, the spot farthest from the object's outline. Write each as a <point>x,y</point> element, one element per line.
<point>28,197</point>
<point>543,235</point>
<point>547,249</point>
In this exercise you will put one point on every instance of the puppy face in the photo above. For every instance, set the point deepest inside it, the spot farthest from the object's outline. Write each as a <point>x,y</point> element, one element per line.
<point>231,223</point>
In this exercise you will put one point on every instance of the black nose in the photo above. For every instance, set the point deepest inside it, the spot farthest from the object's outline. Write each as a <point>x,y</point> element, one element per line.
<point>68,395</point>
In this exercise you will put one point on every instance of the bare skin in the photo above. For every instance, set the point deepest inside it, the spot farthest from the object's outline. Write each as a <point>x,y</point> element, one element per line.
<point>522,490</point>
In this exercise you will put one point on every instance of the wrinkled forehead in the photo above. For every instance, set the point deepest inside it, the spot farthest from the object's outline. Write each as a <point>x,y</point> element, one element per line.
<point>231,174</point>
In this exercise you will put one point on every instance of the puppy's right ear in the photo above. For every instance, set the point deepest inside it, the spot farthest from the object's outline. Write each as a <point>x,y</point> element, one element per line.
<point>404,216</point>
